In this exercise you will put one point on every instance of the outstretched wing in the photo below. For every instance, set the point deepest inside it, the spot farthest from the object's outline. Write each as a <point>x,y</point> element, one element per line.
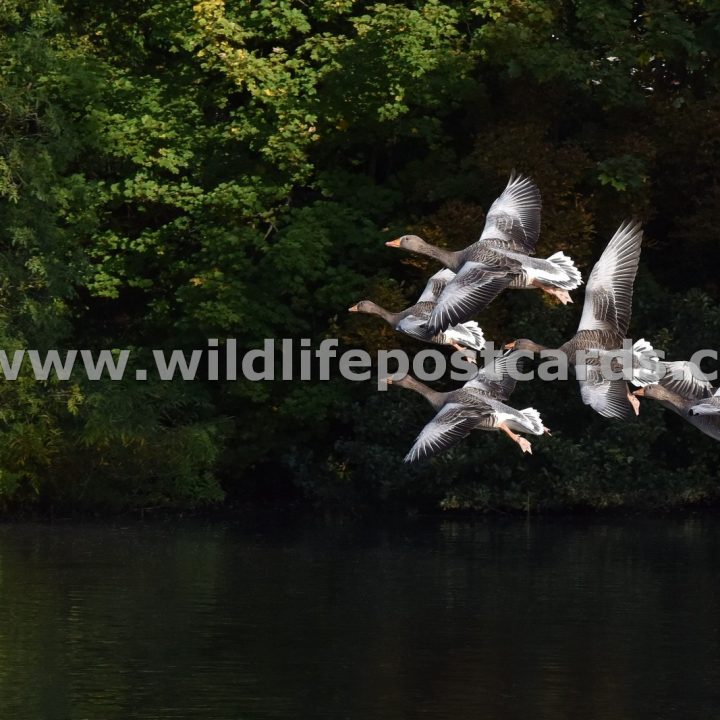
<point>474,288</point>
<point>452,423</point>
<point>513,221</point>
<point>436,284</point>
<point>608,298</point>
<point>687,380</point>
<point>609,398</point>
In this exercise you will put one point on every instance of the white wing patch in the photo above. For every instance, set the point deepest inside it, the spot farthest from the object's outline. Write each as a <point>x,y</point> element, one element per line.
<point>608,298</point>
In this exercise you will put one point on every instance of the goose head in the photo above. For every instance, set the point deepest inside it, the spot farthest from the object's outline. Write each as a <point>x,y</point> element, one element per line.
<point>655,392</point>
<point>364,306</point>
<point>413,243</point>
<point>663,396</point>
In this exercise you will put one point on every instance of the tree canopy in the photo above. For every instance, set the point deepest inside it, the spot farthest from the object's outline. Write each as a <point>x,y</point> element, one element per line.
<point>172,172</point>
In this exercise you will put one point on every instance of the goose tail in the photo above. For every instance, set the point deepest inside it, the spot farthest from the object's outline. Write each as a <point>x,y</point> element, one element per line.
<point>532,421</point>
<point>647,368</point>
<point>468,334</point>
<point>568,276</point>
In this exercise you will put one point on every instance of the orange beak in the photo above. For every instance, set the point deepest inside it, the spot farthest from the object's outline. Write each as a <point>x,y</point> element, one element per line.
<point>639,393</point>
<point>393,243</point>
<point>388,381</point>
<point>354,308</point>
<point>509,346</point>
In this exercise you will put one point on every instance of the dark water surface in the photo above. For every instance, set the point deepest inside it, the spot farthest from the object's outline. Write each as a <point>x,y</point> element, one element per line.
<point>486,619</point>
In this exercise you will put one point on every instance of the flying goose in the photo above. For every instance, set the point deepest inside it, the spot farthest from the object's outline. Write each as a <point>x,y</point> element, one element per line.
<point>603,327</point>
<point>413,321</point>
<point>499,259</point>
<point>477,405</point>
<point>685,390</point>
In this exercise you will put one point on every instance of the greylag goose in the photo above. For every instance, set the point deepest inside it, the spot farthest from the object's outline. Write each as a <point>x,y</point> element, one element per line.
<point>685,390</point>
<point>500,259</point>
<point>413,321</point>
<point>603,327</point>
<point>477,405</point>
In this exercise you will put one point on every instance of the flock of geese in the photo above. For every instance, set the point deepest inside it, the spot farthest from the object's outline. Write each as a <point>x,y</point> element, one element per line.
<point>502,259</point>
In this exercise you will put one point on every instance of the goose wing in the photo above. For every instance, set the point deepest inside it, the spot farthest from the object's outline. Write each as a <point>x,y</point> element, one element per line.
<point>709,424</point>
<point>513,221</point>
<point>705,414</point>
<point>474,288</point>
<point>453,422</point>
<point>494,379</point>
<point>436,284</point>
<point>708,406</point>
<point>608,298</point>
<point>687,380</point>
<point>609,398</point>
<point>415,324</point>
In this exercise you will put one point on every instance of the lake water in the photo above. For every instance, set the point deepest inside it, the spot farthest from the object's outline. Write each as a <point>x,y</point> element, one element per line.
<point>426,619</point>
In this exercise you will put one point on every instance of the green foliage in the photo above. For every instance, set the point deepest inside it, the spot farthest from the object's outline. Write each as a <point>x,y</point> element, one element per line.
<point>172,171</point>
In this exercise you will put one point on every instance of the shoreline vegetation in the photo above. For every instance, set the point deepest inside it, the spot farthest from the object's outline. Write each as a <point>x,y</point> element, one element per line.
<point>175,171</point>
<point>292,512</point>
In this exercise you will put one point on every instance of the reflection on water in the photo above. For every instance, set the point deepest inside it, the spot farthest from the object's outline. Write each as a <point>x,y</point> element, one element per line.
<point>458,620</point>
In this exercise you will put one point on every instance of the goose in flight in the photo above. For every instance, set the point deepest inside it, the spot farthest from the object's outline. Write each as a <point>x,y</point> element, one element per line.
<point>413,321</point>
<point>500,259</point>
<point>478,405</point>
<point>603,328</point>
<point>685,390</point>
